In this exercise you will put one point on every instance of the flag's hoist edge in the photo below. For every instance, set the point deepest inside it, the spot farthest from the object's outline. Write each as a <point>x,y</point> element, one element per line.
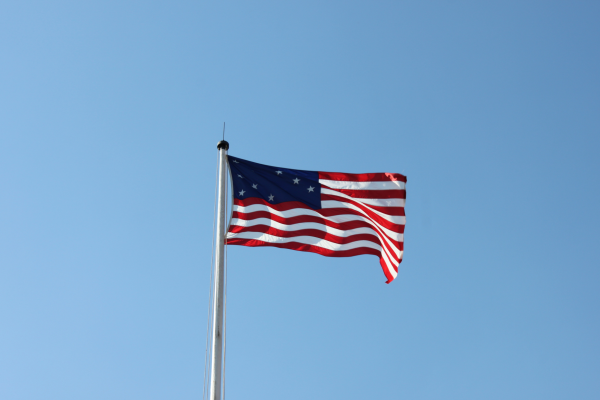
<point>359,213</point>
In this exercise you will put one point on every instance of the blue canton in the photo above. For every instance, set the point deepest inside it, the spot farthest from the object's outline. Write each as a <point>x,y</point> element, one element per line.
<point>274,185</point>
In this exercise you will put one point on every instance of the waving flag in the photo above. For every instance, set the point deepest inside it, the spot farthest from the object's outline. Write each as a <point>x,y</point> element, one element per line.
<point>333,214</point>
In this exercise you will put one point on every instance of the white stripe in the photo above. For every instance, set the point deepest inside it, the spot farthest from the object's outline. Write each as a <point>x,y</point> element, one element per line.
<point>311,240</point>
<point>399,237</point>
<point>375,202</point>
<point>392,272</point>
<point>294,212</point>
<point>387,185</point>
<point>305,225</point>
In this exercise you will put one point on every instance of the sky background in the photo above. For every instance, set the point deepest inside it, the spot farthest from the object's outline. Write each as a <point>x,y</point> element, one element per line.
<point>110,113</point>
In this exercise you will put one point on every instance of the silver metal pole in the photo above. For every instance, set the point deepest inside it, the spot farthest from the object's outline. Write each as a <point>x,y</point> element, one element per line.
<point>217,332</point>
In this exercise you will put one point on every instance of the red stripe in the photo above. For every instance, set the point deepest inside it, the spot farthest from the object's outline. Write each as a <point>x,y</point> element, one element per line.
<point>375,237</point>
<point>373,194</point>
<point>376,177</point>
<point>306,232</point>
<point>331,212</point>
<point>289,205</point>
<point>397,211</point>
<point>319,250</point>
<point>391,211</point>
<point>309,218</point>
<point>306,247</point>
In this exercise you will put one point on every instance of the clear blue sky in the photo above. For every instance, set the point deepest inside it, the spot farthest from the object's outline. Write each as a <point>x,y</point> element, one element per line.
<point>109,117</point>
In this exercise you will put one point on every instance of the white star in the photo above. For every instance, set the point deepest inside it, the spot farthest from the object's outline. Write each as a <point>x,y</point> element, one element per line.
<point>240,176</point>
<point>254,186</point>
<point>271,197</point>
<point>311,189</point>
<point>242,192</point>
<point>296,181</point>
<point>278,172</point>
<point>235,161</point>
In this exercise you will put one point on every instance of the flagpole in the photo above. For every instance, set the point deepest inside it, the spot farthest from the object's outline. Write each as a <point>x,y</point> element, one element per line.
<point>217,325</point>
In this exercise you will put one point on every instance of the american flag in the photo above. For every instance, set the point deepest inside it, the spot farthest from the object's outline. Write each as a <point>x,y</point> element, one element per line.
<point>329,213</point>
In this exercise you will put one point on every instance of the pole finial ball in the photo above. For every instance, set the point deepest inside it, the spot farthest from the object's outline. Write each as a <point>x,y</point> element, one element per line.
<point>223,144</point>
